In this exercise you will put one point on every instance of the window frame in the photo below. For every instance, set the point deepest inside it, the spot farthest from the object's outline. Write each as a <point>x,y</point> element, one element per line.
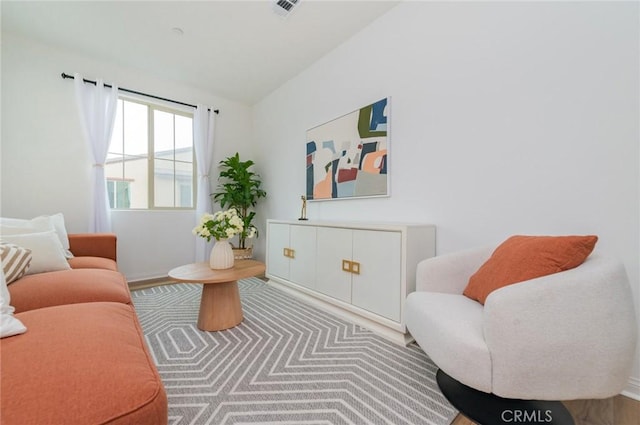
<point>171,109</point>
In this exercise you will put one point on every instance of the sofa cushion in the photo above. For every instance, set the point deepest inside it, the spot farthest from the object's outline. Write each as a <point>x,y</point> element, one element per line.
<point>46,250</point>
<point>43,223</point>
<point>93,263</point>
<point>80,364</point>
<point>68,287</point>
<point>521,258</point>
<point>15,261</point>
<point>57,220</point>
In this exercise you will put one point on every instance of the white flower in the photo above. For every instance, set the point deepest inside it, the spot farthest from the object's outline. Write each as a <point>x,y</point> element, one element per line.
<point>206,217</point>
<point>222,225</point>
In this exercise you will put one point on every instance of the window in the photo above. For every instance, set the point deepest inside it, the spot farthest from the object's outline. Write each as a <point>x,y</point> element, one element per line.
<point>151,163</point>
<point>118,192</point>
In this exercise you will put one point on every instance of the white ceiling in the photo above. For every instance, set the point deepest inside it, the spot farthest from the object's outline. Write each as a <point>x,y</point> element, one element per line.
<point>237,49</point>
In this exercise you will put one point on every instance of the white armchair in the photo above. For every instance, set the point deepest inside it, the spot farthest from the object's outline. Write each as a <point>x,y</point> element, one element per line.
<point>569,335</point>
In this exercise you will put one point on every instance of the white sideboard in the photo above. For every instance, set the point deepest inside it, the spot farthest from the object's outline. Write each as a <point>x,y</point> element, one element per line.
<point>359,271</point>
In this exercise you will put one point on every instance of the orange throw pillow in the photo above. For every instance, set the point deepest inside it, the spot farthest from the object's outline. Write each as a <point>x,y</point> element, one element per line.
<point>521,258</point>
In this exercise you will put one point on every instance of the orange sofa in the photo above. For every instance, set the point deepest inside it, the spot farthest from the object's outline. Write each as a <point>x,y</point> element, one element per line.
<point>83,359</point>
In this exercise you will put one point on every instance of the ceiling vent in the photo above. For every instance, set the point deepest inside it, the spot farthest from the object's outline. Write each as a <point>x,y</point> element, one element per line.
<point>284,7</point>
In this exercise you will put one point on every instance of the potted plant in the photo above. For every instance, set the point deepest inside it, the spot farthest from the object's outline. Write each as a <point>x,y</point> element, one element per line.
<point>239,188</point>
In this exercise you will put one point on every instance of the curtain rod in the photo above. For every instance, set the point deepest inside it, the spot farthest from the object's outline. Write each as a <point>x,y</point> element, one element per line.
<point>65,76</point>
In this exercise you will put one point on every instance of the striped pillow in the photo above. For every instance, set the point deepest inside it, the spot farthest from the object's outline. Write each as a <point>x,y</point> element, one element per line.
<point>15,261</point>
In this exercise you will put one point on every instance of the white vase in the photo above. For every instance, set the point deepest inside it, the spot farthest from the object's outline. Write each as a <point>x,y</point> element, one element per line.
<point>221,255</point>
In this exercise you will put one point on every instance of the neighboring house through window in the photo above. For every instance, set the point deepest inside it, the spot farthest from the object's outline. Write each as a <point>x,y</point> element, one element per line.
<point>118,191</point>
<point>151,162</point>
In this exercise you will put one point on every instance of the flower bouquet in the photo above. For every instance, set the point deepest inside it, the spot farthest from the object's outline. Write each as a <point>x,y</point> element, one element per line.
<point>221,226</point>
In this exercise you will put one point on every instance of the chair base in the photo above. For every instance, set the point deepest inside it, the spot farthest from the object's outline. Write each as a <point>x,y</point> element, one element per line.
<point>489,409</point>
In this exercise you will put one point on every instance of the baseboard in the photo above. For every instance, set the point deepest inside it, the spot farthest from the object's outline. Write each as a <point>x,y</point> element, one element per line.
<point>147,283</point>
<point>633,389</point>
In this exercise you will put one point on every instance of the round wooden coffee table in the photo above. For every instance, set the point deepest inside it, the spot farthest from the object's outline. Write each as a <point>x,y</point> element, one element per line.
<point>220,306</point>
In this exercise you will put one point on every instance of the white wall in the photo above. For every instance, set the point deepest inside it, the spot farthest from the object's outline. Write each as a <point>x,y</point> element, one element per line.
<point>505,118</point>
<point>46,165</point>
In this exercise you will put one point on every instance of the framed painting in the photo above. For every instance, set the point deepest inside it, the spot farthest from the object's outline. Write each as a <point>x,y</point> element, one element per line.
<point>348,156</point>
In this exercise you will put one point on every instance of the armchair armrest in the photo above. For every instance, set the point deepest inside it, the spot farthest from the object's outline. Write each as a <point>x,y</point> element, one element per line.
<point>93,245</point>
<point>450,273</point>
<point>575,328</point>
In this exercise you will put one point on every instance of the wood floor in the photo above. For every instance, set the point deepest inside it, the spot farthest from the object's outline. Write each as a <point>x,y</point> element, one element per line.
<point>619,410</point>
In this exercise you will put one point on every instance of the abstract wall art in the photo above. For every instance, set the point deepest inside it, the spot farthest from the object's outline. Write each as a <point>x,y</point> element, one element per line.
<point>348,157</point>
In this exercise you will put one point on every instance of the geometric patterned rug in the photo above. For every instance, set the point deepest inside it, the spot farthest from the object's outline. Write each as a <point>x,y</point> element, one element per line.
<point>286,363</point>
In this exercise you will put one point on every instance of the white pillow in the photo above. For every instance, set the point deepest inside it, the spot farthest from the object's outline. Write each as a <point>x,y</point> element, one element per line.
<point>47,254</point>
<point>16,226</point>
<point>57,220</point>
<point>5,221</point>
<point>9,325</point>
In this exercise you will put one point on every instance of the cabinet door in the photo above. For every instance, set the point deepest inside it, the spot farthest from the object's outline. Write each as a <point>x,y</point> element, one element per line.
<point>334,246</point>
<point>302,267</point>
<point>377,287</point>
<point>278,240</point>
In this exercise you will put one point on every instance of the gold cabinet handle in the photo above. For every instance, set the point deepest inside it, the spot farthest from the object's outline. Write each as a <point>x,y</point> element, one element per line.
<point>288,252</point>
<point>355,267</point>
<point>292,253</point>
<point>351,266</point>
<point>346,266</point>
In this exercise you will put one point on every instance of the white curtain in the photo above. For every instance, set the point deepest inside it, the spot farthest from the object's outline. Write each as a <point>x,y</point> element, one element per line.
<point>203,135</point>
<point>97,106</point>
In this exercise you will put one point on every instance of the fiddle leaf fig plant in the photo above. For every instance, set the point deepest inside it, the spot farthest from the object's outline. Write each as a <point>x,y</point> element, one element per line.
<point>239,188</point>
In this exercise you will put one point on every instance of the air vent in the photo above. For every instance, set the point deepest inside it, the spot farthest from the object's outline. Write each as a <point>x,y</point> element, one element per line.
<point>284,7</point>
